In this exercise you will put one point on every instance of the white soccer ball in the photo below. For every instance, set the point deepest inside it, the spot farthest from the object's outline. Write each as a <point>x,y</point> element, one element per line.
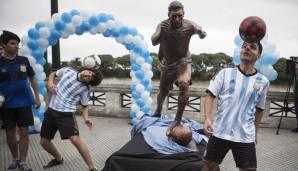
<point>92,62</point>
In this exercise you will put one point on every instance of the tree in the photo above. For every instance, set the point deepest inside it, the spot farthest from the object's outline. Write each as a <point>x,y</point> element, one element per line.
<point>107,65</point>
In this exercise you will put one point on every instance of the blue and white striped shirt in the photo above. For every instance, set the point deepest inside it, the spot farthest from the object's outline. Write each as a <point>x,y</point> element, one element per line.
<point>70,91</point>
<point>238,96</point>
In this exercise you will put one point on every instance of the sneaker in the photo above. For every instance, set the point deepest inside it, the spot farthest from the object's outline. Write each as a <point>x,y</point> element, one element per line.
<point>13,165</point>
<point>53,162</point>
<point>295,130</point>
<point>24,167</point>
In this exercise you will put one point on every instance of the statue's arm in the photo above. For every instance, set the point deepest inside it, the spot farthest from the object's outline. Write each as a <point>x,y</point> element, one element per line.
<point>156,36</point>
<point>198,30</point>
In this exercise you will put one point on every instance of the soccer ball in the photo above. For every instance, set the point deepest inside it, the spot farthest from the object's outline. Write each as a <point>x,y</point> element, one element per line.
<point>92,62</point>
<point>252,29</point>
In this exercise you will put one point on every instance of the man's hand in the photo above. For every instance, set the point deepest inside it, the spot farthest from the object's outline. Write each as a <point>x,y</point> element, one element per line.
<point>171,127</point>
<point>52,88</point>
<point>89,123</point>
<point>165,25</point>
<point>37,103</point>
<point>208,127</point>
<point>202,34</point>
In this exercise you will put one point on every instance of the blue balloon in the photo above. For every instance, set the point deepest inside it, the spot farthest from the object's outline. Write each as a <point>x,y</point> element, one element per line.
<point>39,25</point>
<point>140,102</point>
<point>134,120</point>
<point>137,49</point>
<point>59,25</point>
<point>145,109</point>
<point>149,60</point>
<point>79,31</point>
<point>110,17</point>
<point>145,82</point>
<point>123,30</point>
<point>33,33</point>
<point>66,17</point>
<point>148,88</point>
<point>107,33</point>
<point>102,18</point>
<point>74,12</point>
<point>133,31</point>
<point>115,33</point>
<point>43,91</point>
<point>32,44</point>
<point>132,114</point>
<point>135,67</point>
<point>40,83</point>
<point>93,21</point>
<point>129,46</point>
<point>42,61</point>
<point>132,88</point>
<point>38,54</point>
<point>85,26</point>
<point>55,34</point>
<point>135,94</point>
<point>52,41</point>
<point>273,75</point>
<point>139,74</point>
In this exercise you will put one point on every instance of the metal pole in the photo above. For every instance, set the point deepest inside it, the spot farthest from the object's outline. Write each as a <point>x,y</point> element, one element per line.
<point>56,47</point>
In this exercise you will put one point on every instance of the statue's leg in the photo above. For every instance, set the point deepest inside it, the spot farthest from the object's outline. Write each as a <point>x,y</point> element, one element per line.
<point>166,82</point>
<point>184,80</point>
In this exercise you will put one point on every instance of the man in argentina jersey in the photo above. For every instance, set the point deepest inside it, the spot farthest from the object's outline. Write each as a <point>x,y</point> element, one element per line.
<point>16,81</point>
<point>241,93</point>
<point>73,89</point>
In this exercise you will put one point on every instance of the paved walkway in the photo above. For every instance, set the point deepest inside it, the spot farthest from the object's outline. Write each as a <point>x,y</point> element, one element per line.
<point>274,152</point>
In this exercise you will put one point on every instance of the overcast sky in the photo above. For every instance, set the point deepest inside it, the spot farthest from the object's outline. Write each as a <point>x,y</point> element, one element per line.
<point>219,18</point>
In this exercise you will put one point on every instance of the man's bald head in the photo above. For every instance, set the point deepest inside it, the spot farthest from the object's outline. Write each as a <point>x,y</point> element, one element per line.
<point>181,134</point>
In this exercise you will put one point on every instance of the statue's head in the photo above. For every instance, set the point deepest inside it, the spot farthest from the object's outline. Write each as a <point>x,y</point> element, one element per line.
<point>176,14</point>
<point>181,134</point>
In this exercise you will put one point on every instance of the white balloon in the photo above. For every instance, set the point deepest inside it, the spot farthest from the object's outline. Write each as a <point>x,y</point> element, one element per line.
<point>38,68</point>
<point>41,76</point>
<point>149,74</point>
<point>65,34</point>
<point>70,29</point>
<point>140,60</point>
<point>31,60</point>
<point>41,98</point>
<point>145,95</point>
<point>132,74</point>
<point>43,43</point>
<point>269,47</point>
<point>36,121</point>
<point>140,88</point>
<point>38,127</point>
<point>110,24</point>
<point>56,16</point>
<point>43,105</point>
<point>135,81</point>
<point>24,39</point>
<point>149,101</point>
<point>85,15</point>
<point>139,114</point>
<point>101,28</point>
<point>93,31</point>
<point>135,107</point>
<point>49,24</point>
<point>25,50</point>
<point>76,20</point>
<point>44,32</point>
<point>146,67</point>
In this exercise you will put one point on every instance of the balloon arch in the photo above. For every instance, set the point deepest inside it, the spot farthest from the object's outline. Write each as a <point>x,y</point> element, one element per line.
<point>62,25</point>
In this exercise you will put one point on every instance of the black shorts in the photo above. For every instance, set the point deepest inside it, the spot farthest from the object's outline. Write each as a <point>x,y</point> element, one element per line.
<point>21,117</point>
<point>244,153</point>
<point>54,120</point>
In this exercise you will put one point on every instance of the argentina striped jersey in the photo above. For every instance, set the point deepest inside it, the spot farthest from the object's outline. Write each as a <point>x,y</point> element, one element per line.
<point>70,92</point>
<point>238,96</point>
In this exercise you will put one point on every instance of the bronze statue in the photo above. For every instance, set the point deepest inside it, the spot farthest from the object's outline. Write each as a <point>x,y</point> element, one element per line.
<point>174,58</point>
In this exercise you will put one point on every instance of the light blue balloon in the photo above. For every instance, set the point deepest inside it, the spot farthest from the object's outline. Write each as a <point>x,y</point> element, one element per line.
<point>135,67</point>
<point>79,31</point>
<point>129,46</point>
<point>55,34</point>
<point>43,91</point>
<point>38,54</point>
<point>85,26</point>
<point>66,17</point>
<point>135,94</point>
<point>145,82</point>
<point>33,33</point>
<point>269,58</point>
<point>42,61</point>
<point>107,33</point>
<point>123,30</point>
<point>273,75</point>
<point>238,41</point>
<point>52,41</point>
<point>140,102</point>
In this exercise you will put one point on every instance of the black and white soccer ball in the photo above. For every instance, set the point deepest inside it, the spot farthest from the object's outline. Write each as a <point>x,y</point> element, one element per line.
<point>92,62</point>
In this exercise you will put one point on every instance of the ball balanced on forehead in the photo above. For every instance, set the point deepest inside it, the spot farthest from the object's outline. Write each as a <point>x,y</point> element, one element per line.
<point>252,29</point>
